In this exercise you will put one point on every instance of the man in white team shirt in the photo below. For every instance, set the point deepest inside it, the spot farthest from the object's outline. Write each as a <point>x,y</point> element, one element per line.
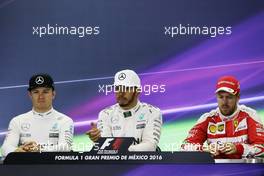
<point>43,128</point>
<point>129,117</point>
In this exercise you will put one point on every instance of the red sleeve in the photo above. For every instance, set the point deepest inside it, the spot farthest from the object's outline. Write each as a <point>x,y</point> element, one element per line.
<point>255,132</point>
<point>197,136</point>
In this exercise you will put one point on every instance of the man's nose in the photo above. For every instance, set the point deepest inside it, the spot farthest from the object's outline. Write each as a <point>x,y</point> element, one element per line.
<point>41,95</point>
<point>225,100</point>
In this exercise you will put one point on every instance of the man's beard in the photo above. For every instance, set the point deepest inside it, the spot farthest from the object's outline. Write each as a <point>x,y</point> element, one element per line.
<point>128,101</point>
<point>227,112</point>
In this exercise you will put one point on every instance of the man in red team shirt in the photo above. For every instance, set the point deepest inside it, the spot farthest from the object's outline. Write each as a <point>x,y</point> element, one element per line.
<point>231,130</point>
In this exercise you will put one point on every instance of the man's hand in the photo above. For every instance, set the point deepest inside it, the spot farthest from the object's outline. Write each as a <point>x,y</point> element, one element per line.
<point>20,149</point>
<point>229,148</point>
<point>94,133</point>
<point>212,149</point>
<point>223,148</point>
<point>28,147</point>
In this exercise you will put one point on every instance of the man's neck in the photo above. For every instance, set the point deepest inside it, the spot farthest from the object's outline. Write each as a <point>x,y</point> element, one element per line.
<point>42,110</point>
<point>232,114</point>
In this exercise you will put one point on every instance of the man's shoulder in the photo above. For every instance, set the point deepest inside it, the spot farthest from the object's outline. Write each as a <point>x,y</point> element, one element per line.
<point>62,117</point>
<point>108,110</point>
<point>252,113</point>
<point>211,114</point>
<point>23,116</point>
<point>247,110</point>
<point>151,108</point>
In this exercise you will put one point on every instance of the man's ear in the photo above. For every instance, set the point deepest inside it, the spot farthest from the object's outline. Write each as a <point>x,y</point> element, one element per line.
<point>53,94</point>
<point>29,94</point>
<point>238,97</point>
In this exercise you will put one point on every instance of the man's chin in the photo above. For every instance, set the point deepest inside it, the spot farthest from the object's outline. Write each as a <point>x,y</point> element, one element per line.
<point>122,104</point>
<point>226,113</point>
<point>43,108</point>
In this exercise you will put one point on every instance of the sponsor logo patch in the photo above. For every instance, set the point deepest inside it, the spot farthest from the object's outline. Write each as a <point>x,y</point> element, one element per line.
<point>221,127</point>
<point>117,127</point>
<point>140,126</point>
<point>54,135</point>
<point>212,129</point>
<point>216,128</point>
<point>25,135</point>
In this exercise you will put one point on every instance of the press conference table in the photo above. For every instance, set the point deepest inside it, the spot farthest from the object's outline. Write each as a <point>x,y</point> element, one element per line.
<point>177,163</point>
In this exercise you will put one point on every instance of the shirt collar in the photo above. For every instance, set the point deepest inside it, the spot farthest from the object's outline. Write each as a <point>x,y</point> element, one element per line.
<point>133,110</point>
<point>43,114</point>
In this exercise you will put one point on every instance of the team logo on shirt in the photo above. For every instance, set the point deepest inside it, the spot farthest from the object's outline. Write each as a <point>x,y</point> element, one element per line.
<point>25,126</point>
<point>114,120</point>
<point>242,125</point>
<point>55,127</point>
<point>235,123</point>
<point>141,117</point>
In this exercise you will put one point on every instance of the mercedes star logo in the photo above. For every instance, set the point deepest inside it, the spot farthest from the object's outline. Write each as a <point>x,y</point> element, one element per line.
<point>25,126</point>
<point>39,80</point>
<point>122,76</point>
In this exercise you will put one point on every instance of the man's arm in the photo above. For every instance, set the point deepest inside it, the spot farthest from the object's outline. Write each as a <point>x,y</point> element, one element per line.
<point>151,134</point>
<point>255,147</point>
<point>12,139</point>
<point>103,128</point>
<point>104,124</point>
<point>197,135</point>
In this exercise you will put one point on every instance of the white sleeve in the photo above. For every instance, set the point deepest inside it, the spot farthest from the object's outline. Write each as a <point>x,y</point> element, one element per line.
<point>65,139</point>
<point>104,124</point>
<point>12,138</point>
<point>151,134</point>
